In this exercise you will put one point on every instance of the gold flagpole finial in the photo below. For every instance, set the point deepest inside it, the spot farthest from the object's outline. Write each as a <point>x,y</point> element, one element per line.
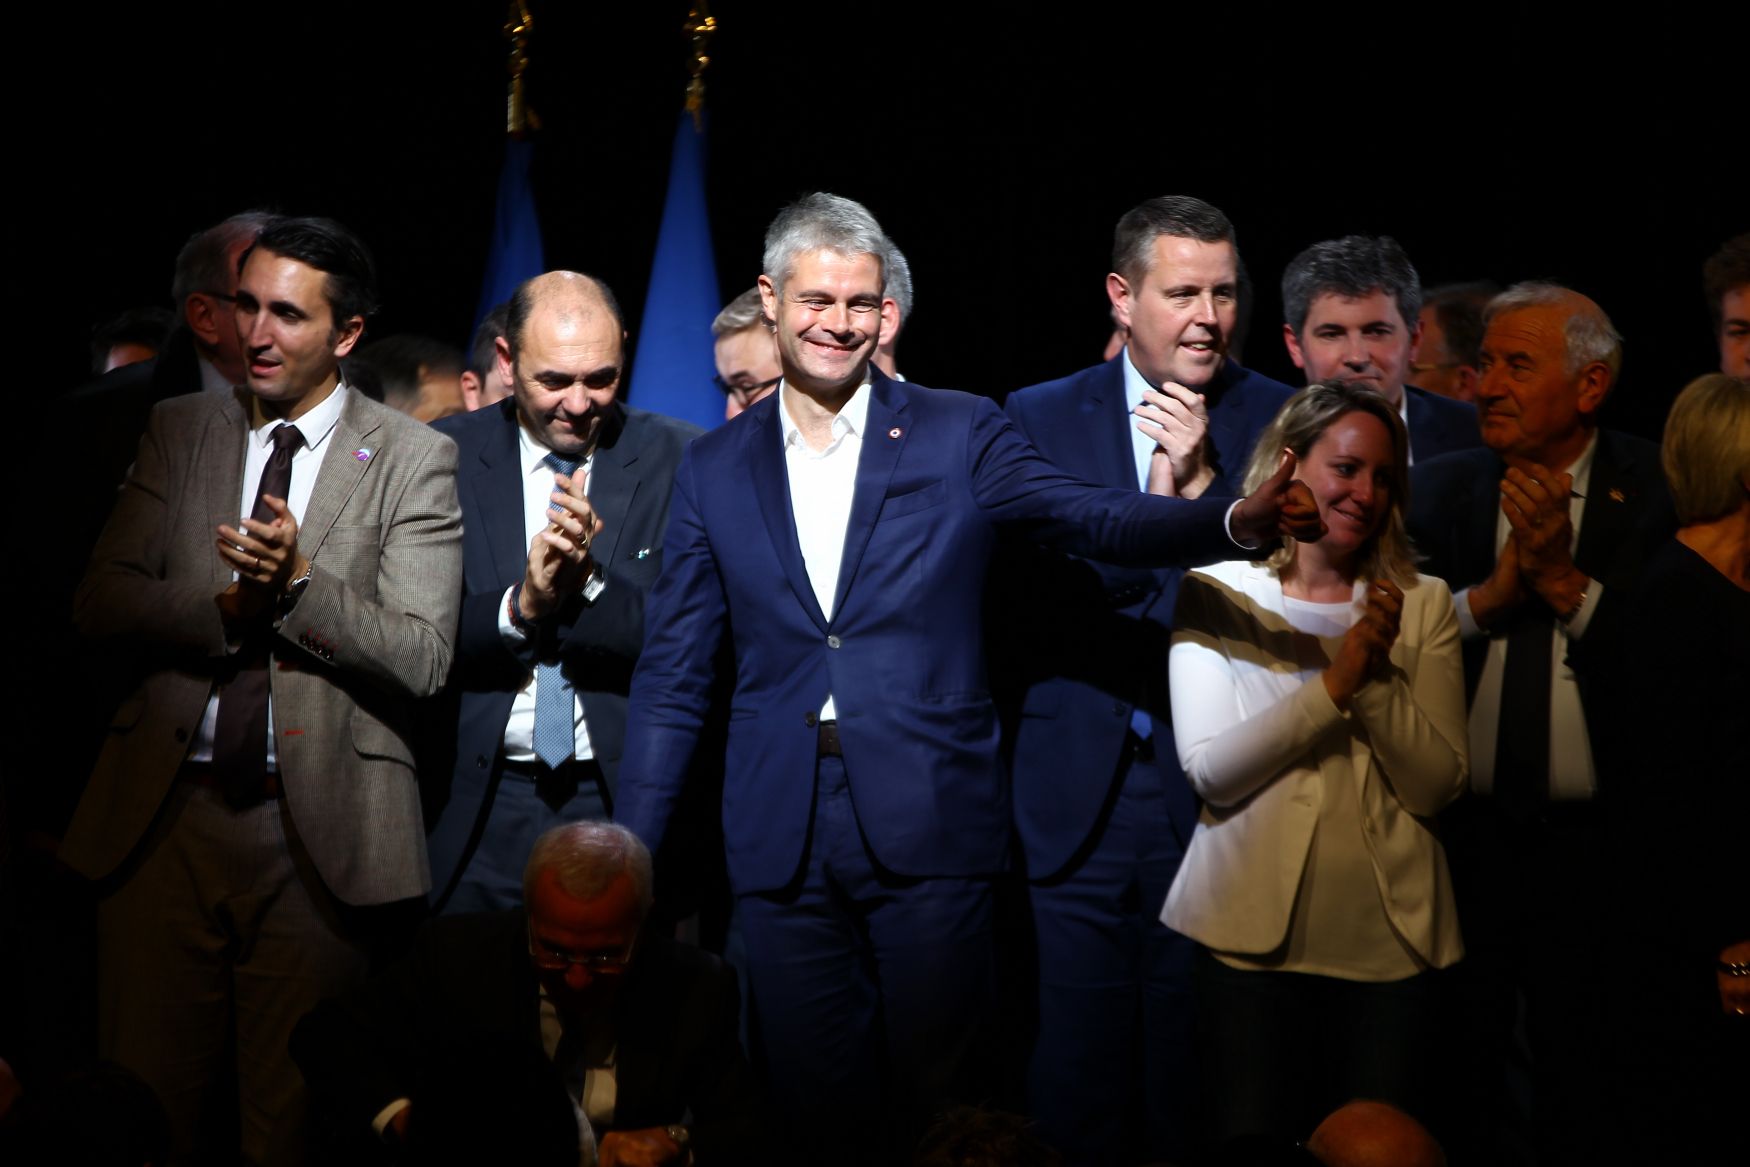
<point>700,26</point>
<point>518,25</point>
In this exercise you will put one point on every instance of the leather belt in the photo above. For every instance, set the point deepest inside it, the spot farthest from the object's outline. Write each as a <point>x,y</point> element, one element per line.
<point>828,741</point>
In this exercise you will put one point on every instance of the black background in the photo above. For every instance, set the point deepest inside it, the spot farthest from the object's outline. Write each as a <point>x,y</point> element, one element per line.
<point>998,150</point>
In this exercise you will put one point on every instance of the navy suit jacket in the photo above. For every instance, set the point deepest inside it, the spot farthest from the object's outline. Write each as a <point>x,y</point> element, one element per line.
<point>598,643</point>
<point>1455,501</point>
<point>1439,425</point>
<point>1105,652</point>
<point>903,654</point>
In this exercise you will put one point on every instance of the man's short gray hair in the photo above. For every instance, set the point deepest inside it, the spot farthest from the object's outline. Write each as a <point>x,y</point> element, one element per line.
<point>587,857</point>
<point>1589,333</point>
<point>204,263</point>
<point>824,222</point>
<point>899,282</point>
<point>740,314</point>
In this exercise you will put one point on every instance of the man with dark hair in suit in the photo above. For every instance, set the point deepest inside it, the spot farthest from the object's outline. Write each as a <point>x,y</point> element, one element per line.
<point>1102,812</point>
<point>829,549</point>
<point>1452,335</point>
<point>481,383</point>
<point>642,1029</point>
<point>565,494</point>
<point>1726,280</point>
<point>1353,309</point>
<point>1541,535</point>
<point>255,798</point>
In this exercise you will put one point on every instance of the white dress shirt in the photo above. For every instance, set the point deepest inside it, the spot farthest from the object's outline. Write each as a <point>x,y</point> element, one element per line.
<point>539,482</point>
<point>317,426</point>
<point>821,487</point>
<point>1572,776</point>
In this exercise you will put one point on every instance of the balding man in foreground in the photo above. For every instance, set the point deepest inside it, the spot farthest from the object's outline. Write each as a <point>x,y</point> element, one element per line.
<point>564,494</point>
<point>1365,1133</point>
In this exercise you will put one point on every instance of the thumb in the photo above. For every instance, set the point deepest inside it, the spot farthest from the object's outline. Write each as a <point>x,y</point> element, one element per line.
<point>1284,472</point>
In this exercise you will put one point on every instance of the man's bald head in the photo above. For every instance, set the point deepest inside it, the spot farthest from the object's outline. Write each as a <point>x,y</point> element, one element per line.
<point>1374,1134</point>
<point>565,297</point>
<point>563,355</point>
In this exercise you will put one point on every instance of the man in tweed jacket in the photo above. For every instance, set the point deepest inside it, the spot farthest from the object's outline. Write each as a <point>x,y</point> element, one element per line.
<point>236,889</point>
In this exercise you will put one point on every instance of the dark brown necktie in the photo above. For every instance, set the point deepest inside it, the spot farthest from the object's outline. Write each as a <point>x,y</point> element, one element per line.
<point>240,737</point>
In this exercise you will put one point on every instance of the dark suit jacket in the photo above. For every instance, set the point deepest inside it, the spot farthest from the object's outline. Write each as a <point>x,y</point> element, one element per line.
<point>630,484</point>
<point>1439,425</point>
<point>675,1024</point>
<point>1455,501</point>
<point>903,655</point>
<point>1104,652</point>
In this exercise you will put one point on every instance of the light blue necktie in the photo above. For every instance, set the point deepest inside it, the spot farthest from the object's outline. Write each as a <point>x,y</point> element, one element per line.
<point>555,700</point>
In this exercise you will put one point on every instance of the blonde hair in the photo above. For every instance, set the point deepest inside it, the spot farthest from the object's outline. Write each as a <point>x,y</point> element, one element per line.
<point>1298,425</point>
<point>1706,451</point>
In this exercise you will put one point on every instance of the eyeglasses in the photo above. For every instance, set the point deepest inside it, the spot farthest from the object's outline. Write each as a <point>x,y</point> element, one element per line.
<point>1415,368</point>
<point>745,390</point>
<point>598,963</point>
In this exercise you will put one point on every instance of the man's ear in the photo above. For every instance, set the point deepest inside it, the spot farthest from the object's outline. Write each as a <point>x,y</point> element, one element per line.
<point>1293,343</point>
<point>501,347</point>
<point>350,332</point>
<point>1468,378</point>
<point>1415,342</point>
<point>470,390</point>
<point>768,299</point>
<point>889,320</point>
<point>1594,387</point>
<point>1118,291</point>
<point>201,313</point>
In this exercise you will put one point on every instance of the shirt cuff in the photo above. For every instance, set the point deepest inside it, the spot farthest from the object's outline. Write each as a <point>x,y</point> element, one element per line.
<point>514,638</point>
<point>387,1115</point>
<point>1468,628</point>
<point>1575,628</point>
<point>1227,523</point>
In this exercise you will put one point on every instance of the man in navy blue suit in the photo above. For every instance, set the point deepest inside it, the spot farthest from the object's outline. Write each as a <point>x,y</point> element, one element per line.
<point>1101,808</point>
<point>1353,309</point>
<point>564,494</point>
<point>834,540</point>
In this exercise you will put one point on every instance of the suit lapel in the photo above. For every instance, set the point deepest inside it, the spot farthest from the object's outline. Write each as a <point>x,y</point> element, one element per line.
<point>1109,411</point>
<point>613,482</point>
<point>763,455</point>
<point>497,486</point>
<point>224,447</point>
<point>1482,508</point>
<point>349,456</point>
<point>1606,512</point>
<point>884,437</point>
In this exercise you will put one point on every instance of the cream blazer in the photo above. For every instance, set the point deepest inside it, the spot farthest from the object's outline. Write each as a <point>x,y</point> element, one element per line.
<point>1257,745</point>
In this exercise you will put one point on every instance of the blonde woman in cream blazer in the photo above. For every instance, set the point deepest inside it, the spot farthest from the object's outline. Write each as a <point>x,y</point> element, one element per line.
<point>1318,705</point>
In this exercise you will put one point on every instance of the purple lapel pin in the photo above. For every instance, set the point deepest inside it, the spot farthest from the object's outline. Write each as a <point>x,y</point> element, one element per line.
<point>363,454</point>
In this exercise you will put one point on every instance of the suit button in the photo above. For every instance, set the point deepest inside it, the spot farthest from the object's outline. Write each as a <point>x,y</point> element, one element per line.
<point>182,735</point>
<point>480,761</point>
<point>832,642</point>
<point>811,719</point>
<point>1118,709</point>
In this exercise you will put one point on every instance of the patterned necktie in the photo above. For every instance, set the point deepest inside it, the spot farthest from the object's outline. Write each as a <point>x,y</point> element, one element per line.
<point>240,736</point>
<point>555,700</point>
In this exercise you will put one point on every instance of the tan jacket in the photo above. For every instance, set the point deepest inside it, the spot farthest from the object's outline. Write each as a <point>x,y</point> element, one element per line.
<point>372,632</point>
<point>1257,744</point>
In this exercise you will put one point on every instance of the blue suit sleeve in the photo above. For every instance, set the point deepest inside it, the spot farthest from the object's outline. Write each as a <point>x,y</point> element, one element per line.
<point>672,686</point>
